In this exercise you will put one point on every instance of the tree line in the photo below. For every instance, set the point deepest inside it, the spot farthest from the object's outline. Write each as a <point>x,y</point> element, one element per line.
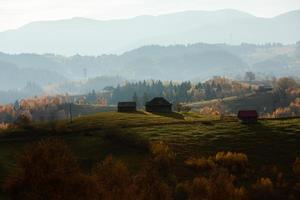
<point>186,91</point>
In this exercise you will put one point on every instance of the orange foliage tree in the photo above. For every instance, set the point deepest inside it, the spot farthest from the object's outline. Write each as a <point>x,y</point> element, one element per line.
<point>113,180</point>
<point>48,170</point>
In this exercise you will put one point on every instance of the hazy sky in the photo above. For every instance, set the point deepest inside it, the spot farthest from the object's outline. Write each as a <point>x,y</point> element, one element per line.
<point>15,13</point>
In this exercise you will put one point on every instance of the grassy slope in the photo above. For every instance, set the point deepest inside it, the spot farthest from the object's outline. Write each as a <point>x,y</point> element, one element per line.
<point>261,102</point>
<point>269,141</point>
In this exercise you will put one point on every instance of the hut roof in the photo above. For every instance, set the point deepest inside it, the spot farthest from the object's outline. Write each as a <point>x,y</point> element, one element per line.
<point>247,113</point>
<point>158,101</point>
<point>127,104</point>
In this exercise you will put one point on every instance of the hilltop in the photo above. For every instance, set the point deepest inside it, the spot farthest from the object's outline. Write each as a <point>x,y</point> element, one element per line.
<point>187,133</point>
<point>127,137</point>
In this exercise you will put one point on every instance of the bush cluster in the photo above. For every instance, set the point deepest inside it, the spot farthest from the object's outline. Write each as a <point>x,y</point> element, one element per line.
<point>232,161</point>
<point>49,170</point>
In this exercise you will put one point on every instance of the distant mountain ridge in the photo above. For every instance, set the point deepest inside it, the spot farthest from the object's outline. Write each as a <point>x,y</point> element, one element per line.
<point>197,62</point>
<point>14,77</point>
<point>94,37</point>
<point>176,62</point>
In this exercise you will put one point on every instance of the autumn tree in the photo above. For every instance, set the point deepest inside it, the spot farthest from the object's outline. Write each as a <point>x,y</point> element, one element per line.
<point>113,180</point>
<point>218,186</point>
<point>48,170</point>
<point>285,83</point>
<point>162,157</point>
<point>151,186</point>
<point>153,180</point>
<point>263,189</point>
<point>282,86</point>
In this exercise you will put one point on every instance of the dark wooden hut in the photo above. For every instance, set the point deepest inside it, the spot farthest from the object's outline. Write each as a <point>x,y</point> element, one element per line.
<point>129,106</point>
<point>248,116</point>
<point>158,104</point>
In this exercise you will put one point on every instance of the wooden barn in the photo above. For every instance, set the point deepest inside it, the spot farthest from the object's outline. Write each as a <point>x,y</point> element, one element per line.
<point>129,106</point>
<point>248,116</point>
<point>158,104</point>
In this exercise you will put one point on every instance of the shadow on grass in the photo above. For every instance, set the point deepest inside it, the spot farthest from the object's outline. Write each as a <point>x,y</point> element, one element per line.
<point>124,138</point>
<point>258,127</point>
<point>134,112</point>
<point>174,115</point>
<point>271,145</point>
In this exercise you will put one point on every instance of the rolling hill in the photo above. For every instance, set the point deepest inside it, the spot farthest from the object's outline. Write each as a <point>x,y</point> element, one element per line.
<point>262,102</point>
<point>126,135</point>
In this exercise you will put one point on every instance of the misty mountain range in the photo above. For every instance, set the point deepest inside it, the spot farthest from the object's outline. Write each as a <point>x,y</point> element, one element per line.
<point>177,62</point>
<point>13,77</point>
<point>51,73</point>
<point>96,37</point>
<point>162,47</point>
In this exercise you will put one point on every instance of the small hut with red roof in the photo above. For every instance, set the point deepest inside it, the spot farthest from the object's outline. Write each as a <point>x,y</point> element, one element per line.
<point>248,116</point>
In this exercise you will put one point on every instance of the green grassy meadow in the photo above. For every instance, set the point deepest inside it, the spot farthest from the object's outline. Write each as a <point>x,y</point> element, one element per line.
<point>254,101</point>
<point>125,136</point>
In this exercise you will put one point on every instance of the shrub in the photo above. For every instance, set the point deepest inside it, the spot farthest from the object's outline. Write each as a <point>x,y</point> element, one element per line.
<point>296,168</point>
<point>234,162</point>
<point>274,173</point>
<point>48,170</point>
<point>161,151</point>
<point>113,180</point>
<point>198,188</point>
<point>263,189</point>
<point>222,187</point>
<point>150,182</point>
<point>162,155</point>
<point>201,164</point>
<point>150,185</point>
<point>219,186</point>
